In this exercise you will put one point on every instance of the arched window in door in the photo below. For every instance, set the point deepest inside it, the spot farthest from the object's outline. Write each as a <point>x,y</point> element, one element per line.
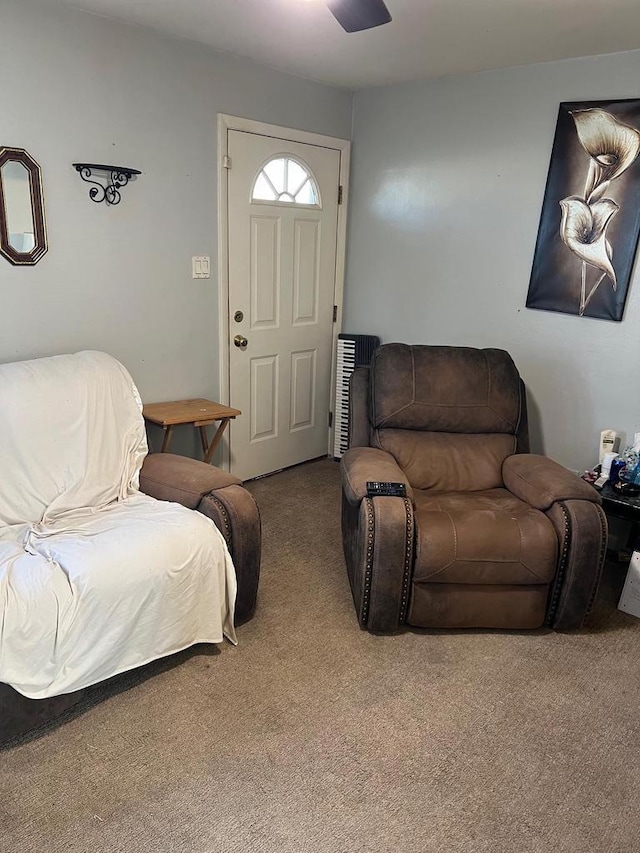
<point>285,179</point>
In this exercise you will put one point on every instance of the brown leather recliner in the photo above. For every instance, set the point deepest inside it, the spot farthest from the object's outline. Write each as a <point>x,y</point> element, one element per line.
<point>222,497</point>
<point>488,535</point>
<point>198,486</point>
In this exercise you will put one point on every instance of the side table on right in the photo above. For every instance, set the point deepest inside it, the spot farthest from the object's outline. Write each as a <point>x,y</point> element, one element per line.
<point>626,507</point>
<point>621,506</point>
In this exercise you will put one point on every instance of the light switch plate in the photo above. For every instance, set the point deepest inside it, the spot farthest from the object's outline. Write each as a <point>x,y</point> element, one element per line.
<point>201,266</point>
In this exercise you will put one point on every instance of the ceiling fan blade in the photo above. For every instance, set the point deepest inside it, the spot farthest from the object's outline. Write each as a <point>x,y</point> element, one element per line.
<point>356,15</point>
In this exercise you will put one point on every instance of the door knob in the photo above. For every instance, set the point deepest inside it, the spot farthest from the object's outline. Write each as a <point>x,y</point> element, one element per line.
<point>240,341</point>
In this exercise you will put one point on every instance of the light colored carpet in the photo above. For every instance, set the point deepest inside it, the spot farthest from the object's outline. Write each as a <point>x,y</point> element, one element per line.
<point>314,736</point>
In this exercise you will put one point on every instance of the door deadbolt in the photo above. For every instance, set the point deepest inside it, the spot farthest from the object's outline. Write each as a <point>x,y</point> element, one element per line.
<point>240,341</point>
<point>238,316</point>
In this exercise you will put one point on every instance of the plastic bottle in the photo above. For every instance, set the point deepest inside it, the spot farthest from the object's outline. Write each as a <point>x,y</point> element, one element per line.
<point>607,441</point>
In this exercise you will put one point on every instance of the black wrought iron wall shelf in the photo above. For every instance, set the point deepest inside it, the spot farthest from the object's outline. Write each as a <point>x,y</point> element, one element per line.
<point>115,177</point>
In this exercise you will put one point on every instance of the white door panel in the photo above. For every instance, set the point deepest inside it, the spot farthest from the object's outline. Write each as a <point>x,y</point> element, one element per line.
<point>303,388</point>
<point>282,267</point>
<point>265,272</point>
<point>306,274</point>
<point>263,406</point>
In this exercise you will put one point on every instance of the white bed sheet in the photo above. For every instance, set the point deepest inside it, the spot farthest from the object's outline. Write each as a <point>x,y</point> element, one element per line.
<point>95,577</point>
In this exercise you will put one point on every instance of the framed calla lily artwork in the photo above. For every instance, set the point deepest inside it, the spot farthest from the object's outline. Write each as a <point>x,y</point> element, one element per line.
<point>590,218</point>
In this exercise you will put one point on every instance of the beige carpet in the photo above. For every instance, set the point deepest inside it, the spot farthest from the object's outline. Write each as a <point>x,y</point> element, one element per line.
<point>314,737</point>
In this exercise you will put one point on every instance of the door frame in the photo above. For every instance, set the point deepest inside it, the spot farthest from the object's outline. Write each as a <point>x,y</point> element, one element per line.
<point>229,122</point>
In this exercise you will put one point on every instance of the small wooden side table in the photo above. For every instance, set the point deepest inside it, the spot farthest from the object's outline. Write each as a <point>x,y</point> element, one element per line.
<point>200,413</point>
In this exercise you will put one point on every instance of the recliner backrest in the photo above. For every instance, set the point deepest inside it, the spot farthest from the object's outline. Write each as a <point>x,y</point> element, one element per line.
<point>449,415</point>
<point>72,436</point>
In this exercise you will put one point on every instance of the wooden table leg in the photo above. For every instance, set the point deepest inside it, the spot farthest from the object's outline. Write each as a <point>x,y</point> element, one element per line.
<point>204,439</point>
<point>168,431</point>
<point>215,441</point>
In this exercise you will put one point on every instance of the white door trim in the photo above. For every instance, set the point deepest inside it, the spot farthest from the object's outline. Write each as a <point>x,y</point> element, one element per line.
<point>229,122</point>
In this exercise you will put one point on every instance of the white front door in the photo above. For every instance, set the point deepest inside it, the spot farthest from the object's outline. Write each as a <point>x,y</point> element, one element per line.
<point>282,227</point>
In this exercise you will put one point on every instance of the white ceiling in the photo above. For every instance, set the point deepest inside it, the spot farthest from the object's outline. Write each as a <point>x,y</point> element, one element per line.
<point>427,38</point>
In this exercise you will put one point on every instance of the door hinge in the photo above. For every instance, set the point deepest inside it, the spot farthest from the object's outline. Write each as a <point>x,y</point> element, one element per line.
<point>330,419</point>
<point>226,161</point>
<point>335,313</point>
<point>340,194</point>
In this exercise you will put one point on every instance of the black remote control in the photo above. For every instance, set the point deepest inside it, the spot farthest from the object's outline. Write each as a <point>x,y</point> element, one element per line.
<point>391,490</point>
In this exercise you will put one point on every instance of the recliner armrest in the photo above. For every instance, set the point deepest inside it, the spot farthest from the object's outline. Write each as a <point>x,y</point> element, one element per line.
<point>361,464</point>
<point>541,481</point>
<point>169,477</point>
<point>222,498</point>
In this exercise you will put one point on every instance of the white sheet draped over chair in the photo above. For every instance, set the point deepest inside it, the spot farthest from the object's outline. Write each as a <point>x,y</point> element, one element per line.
<point>95,577</point>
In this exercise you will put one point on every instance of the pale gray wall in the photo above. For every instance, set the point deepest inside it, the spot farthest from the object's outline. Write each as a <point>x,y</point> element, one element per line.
<point>447,185</point>
<point>446,192</point>
<point>76,87</point>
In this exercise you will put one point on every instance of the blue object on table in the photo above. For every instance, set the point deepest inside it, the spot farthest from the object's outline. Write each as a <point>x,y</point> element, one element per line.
<point>617,467</point>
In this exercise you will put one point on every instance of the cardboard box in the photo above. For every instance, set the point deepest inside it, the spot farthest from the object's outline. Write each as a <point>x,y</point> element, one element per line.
<point>630,598</point>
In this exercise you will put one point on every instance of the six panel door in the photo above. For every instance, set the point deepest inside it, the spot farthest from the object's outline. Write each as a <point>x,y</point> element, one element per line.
<point>283,210</point>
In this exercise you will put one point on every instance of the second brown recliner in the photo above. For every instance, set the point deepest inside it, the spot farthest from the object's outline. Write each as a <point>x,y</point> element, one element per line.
<point>488,535</point>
